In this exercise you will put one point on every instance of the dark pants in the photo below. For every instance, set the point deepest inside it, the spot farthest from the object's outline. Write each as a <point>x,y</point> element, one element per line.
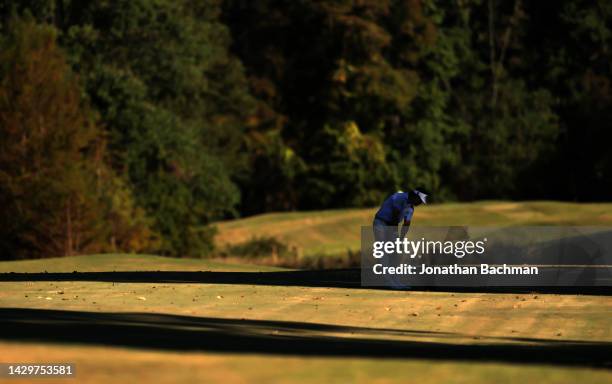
<point>384,231</point>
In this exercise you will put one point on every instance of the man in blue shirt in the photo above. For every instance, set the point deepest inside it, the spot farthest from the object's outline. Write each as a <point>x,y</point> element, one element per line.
<point>397,208</point>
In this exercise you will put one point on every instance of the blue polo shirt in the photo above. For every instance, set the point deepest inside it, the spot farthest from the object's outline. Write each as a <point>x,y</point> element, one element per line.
<point>395,209</point>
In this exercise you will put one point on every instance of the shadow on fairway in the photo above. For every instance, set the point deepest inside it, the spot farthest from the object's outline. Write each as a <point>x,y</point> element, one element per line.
<point>185,333</point>
<point>331,278</point>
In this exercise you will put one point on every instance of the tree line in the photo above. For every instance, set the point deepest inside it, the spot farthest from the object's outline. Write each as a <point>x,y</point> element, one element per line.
<point>134,124</point>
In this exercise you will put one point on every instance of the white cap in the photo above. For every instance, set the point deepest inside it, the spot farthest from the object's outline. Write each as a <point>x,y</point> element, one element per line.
<point>422,196</point>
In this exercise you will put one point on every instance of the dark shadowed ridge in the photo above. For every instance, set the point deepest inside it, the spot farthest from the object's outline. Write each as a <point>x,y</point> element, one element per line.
<point>185,333</point>
<point>333,278</point>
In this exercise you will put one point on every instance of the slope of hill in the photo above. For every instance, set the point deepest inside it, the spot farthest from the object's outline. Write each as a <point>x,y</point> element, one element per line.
<point>334,232</point>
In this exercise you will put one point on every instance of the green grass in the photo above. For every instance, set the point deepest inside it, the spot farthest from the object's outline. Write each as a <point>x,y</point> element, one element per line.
<point>123,262</point>
<point>335,232</point>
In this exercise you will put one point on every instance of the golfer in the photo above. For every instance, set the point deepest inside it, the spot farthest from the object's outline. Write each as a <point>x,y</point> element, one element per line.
<point>397,208</point>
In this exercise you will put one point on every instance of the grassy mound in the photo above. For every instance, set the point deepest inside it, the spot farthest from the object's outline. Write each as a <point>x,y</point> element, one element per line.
<point>337,232</point>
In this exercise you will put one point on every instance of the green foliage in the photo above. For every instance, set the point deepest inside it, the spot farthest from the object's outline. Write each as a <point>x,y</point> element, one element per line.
<point>54,182</point>
<point>348,168</point>
<point>173,102</point>
<point>261,247</point>
<point>268,183</point>
<point>215,109</point>
<point>319,67</point>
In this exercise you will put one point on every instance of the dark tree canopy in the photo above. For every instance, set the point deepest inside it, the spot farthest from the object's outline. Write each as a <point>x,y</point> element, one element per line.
<point>196,111</point>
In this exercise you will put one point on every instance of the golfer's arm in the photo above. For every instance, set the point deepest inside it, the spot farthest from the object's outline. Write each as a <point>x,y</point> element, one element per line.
<point>404,229</point>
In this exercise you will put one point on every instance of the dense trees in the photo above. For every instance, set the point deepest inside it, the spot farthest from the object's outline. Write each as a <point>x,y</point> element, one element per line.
<point>162,116</point>
<point>57,194</point>
<point>172,101</point>
<point>429,83</point>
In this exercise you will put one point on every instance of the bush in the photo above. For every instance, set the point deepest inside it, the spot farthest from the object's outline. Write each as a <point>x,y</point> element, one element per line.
<point>262,246</point>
